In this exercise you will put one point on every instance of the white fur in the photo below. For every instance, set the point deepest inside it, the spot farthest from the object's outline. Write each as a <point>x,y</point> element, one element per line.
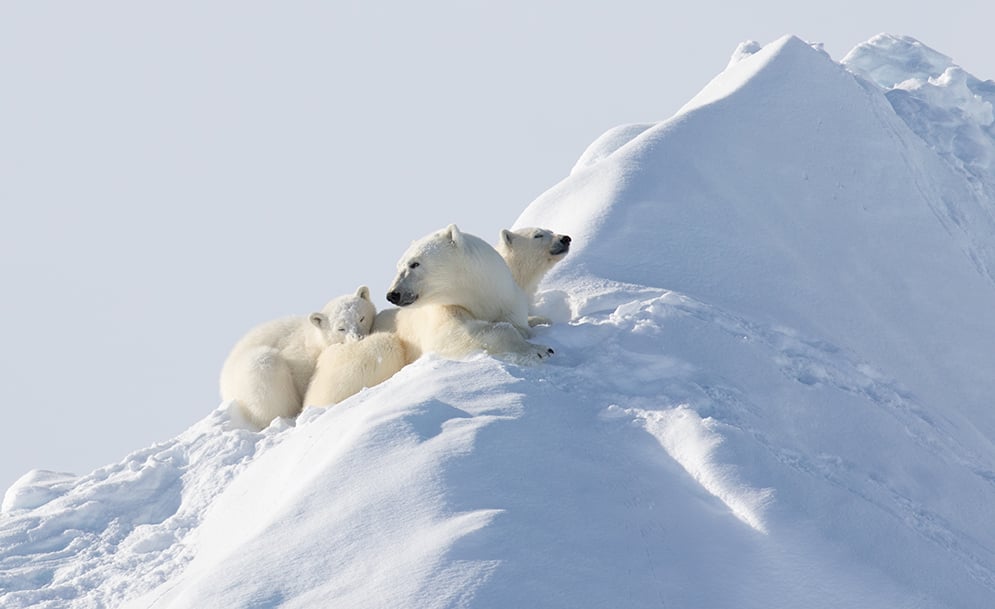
<point>452,268</point>
<point>452,332</point>
<point>268,370</point>
<point>343,370</point>
<point>457,295</point>
<point>530,253</point>
<point>457,278</point>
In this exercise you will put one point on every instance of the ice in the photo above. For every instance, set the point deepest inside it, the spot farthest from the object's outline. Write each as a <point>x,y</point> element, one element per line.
<point>888,60</point>
<point>950,109</point>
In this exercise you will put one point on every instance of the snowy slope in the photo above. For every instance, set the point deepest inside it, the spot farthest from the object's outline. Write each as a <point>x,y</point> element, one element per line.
<point>772,388</point>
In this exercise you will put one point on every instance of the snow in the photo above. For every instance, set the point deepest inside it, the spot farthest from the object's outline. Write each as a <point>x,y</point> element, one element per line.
<point>744,50</point>
<point>771,388</point>
<point>950,109</point>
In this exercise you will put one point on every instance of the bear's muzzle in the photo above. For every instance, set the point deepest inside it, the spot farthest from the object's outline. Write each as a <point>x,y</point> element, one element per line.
<point>560,246</point>
<point>401,299</point>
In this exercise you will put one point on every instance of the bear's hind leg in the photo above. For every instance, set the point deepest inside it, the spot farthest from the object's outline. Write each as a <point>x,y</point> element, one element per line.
<point>264,387</point>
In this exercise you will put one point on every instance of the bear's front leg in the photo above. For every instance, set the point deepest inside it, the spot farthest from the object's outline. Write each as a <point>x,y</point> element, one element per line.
<point>503,338</point>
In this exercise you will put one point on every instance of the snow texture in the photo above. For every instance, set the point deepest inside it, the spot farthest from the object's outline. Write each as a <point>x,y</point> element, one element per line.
<point>772,388</point>
<point>950,109</point>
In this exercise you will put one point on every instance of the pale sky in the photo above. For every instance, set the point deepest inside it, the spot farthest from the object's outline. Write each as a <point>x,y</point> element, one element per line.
<point>173,174</point>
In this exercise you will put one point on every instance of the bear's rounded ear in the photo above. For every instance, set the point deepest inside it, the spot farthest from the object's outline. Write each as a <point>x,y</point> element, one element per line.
<point>320,320</point>
<point>507,236</point>
<point>454,235</point>
<point>363,292</point>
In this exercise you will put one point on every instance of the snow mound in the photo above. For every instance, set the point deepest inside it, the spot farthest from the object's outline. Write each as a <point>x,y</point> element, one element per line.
<point>772,377</point>
<point>947,107</point>
<point>744,50</point>
<point>889,60</point>
<point>36,488</point>
<point>607,144</point>
<point>91,540</point>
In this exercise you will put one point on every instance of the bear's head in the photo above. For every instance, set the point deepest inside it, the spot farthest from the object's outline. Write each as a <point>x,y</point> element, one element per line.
<point>433,268</point>
<point>346,318</point>
<point>531,252</point>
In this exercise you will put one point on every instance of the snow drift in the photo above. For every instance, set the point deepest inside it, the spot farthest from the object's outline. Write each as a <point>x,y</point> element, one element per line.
<point>772,388</point>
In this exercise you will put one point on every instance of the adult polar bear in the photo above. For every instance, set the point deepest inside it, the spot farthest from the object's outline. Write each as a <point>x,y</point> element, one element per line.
<point>457,295</point>
<point>268,370</point>
<point>443,322</point>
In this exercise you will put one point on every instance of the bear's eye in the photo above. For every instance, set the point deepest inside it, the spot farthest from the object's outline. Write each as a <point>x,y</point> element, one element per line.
<point>414,265</point>
<point>537,236</point>
<point>362,319</point>
<point>341,329</point>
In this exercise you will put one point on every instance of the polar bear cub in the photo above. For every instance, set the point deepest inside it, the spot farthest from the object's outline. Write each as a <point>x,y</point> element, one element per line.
<point>530,253</point>
<point>344,370</point>
<point>400,335</point>
<point>268,370</point>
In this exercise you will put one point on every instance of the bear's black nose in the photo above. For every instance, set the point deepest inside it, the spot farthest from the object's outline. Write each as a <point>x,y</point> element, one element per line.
<point>565,239</point>
<point>401,299</point>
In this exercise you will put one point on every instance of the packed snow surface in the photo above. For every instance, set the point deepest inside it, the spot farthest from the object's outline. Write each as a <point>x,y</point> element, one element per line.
<point>772,388</point>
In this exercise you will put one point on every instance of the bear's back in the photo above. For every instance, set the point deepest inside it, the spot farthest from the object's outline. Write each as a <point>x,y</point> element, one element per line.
<point>491,291</point>
<point>277,333</point>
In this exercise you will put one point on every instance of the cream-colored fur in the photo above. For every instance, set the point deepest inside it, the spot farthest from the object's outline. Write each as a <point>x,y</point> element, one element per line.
<point>457,301</point>
<point>345,369</point>
<point>530,253</point>
<point>453,268</point>
<point>268,370</point>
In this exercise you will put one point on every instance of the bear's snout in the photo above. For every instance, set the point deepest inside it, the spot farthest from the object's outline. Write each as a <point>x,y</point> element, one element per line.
<point>401,299</point>
<point>561,245</point>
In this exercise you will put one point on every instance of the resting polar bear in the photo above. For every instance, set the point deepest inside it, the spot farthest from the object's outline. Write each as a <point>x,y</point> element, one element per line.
<point>440,323</point>
<point>530,253</point>
<point>268,370</point>
<point>344,370</point>
<point>457,295</point>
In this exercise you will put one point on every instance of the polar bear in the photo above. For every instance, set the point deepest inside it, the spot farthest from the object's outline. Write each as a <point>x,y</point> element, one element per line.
<point>457,295</point>
<point>268,370</point>
<point>530,253</point>
<point>344,370</point>
<point>452,268</point>
<point>400,335</point>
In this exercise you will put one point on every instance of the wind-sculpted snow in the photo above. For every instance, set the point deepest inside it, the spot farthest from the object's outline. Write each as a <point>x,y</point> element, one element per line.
<point>788,191</point>
<point>92,540</point>
<point>669,434</point>
<point>607,144</point>
<point>771,389</point>
<point>670,438</point>
<point>950,109</point>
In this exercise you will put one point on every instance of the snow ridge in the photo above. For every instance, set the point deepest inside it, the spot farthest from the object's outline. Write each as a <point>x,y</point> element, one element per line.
<point>947,107</point>
<point>92,540</point>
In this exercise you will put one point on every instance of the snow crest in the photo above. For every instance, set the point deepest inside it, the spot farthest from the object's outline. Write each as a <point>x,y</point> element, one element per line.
<point>693,442</point>
<point>950,109</point>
